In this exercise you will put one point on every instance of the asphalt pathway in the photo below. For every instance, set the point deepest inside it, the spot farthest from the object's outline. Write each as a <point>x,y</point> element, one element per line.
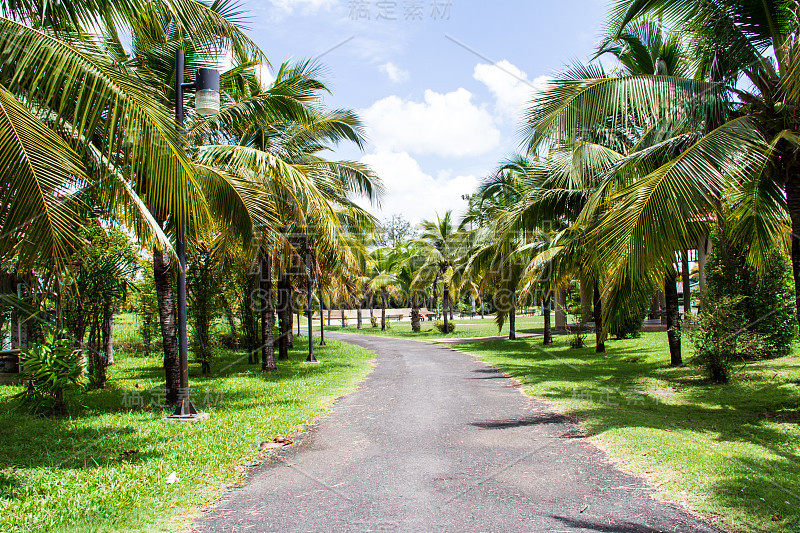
<point>434,440</point>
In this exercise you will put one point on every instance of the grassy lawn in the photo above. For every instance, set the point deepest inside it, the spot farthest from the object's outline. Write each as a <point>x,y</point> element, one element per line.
<point>104,468</point>
<point>730,452</point>
<point>466,327</point>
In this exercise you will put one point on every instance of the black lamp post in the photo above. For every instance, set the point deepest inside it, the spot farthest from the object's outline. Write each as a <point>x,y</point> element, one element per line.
<point>206,86</point>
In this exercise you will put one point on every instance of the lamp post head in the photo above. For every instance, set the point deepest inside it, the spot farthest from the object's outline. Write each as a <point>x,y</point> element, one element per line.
<point>206,100</point>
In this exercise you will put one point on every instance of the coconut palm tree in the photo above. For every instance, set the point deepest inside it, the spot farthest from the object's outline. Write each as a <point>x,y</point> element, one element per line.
<point>311,195</point>
<point>493,263</point>
<point>555,193</point>
<point>120,149</point>
<point>443,247</point>
<point>740,160</point>
<point>383,278</point>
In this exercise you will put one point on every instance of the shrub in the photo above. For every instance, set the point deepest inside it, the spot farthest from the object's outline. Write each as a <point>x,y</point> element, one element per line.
<point>721,338</point>
<point>440,326</point>
<point>147,307</point>
<point>765,303</point>
<point>373,320</point>
<point>51,369</point>
<point>578,338</point>
<point>629,325</point>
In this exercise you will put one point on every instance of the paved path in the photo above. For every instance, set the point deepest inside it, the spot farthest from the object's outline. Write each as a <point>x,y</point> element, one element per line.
<point>436,441</point>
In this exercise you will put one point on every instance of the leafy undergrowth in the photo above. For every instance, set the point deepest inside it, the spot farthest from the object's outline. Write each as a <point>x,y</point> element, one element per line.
<point>104,468</point>
<point>730,452</point>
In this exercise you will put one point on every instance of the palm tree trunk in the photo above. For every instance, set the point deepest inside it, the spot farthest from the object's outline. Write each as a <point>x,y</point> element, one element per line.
<point>284,327</point>
<point>415,314</point>
<point>673,322</point>
<point>108,335</point>
<point>445,301</point>
<point>600,346</point>
<point>267,315</point>
<point>284,315</point>
<point>341,310</point>
<point>321,321</point>
<point>512,319</point>
<point>162,276</point>
<point>687,292</point>
<point>371,306</point>
<point>383,309</point>
<point>359,322</point>
<point>548,330</point>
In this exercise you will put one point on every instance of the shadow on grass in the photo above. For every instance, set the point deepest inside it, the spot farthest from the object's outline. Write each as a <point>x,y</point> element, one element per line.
<point>752,484</point>
<point>60,445</point>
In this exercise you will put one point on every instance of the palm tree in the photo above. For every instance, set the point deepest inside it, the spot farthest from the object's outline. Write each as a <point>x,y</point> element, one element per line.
<point>383,278</point>
<point>554,195</point>
<point>494,263</point>
<point>730,150</point>
<point>676,156</point>
<point>112,109</point>
<point>442,245</point>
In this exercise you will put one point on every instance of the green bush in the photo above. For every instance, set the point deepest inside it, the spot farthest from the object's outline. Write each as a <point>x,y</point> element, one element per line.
<point>440,326</point>
<point>765,303</point>
<point>373,320</point>
<point>629,325</point>
<point>721,338</point>
<point>52,369</point>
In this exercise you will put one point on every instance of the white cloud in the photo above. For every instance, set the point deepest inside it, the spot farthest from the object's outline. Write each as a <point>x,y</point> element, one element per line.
<point>264,75</point>
<point>395,73</point>
<point>412,192</point>
<point>261,71</point>
<point>510,86</point>
<point>448,125</point>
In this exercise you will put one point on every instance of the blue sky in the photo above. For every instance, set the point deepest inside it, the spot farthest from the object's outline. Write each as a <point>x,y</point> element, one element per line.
<point>440,84</point>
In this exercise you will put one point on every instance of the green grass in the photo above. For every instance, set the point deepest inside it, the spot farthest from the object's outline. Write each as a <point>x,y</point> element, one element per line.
<point>729,452</point>
<point>467,327</point>
<point>73,473</point>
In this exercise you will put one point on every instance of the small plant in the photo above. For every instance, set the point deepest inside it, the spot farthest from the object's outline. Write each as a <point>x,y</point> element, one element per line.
<point>373,320</point>
<point>51,369</point>
<point>440,326</point>
<point>578,338</point>
<point>577,331</point>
